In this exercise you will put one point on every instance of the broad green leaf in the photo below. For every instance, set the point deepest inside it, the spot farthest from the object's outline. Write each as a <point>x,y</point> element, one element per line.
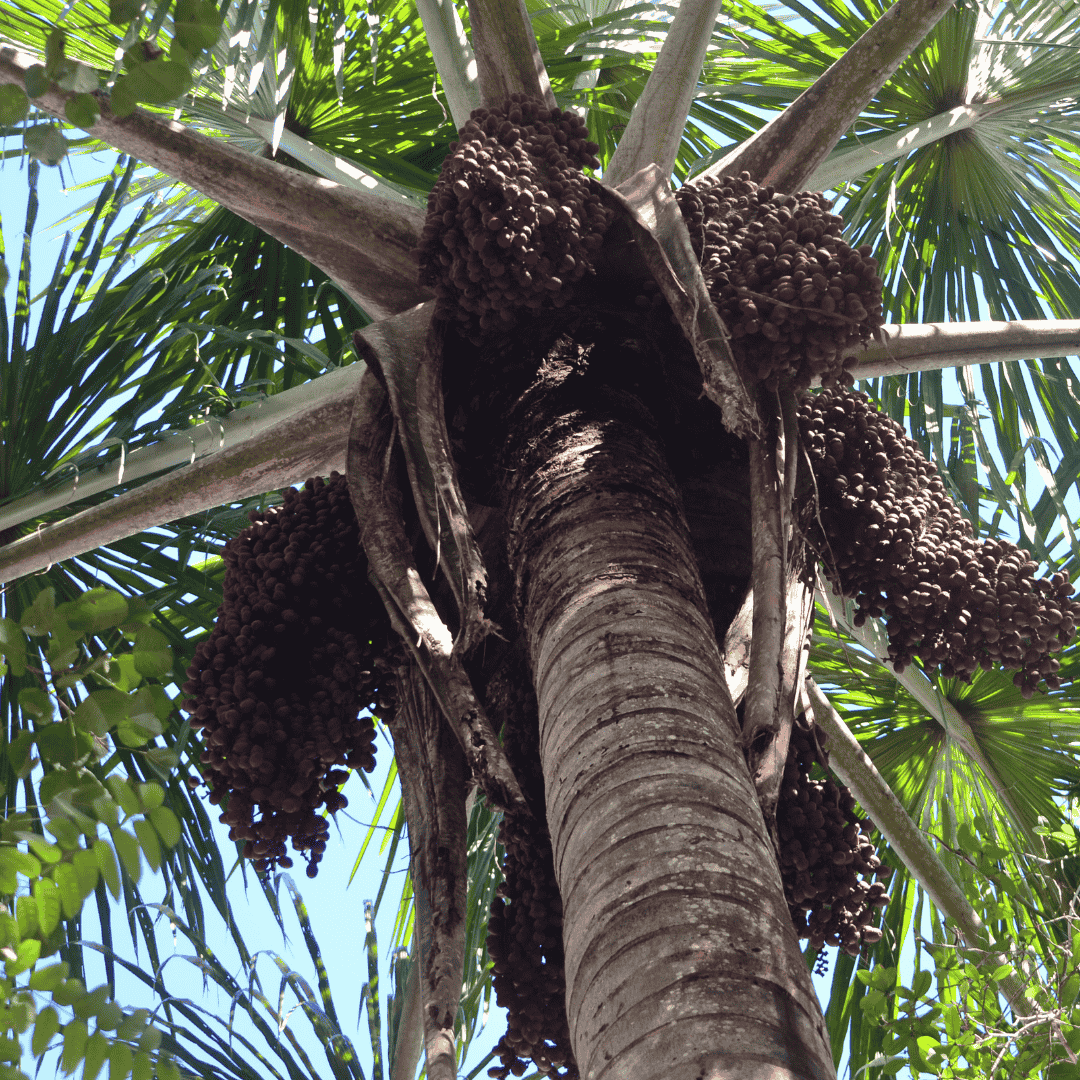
<point>120,1059</point>
<point>109,1016</point>
<point>106,862</point>
<point>36,81</point>
<point>149,842</point>
<point>69,888</point>
<point>123,11</point>
<point>127,847</point>
<point>152,654</point>
<point>156,82</point>
<point>70,991</point>
<point>94,611</point>
<point>102,710</point>
<point>12,639</point>
<point>57,744</point>
<point>46,1026</point>
<point>197,24</point>
<point>151,795</point>
<point>54,51</point>
<point>150,1039</point>
<point>26,954</point>
<point>123,98</point>
<point>75,1040</point>
<point>47,898</point>
<point>14,104</point>
<point>121,790</point>
<point>46,852</point>
<point>45,143</point>
<point>66,832</point>
<point>10,1050</point>
<point>23,1012</point>
<point>167,825</point>
<point>84,863</point>
<point>37,703</point>
<point>48,978</point>
<point>97,1050</point>
<point>15,861</point>
<point>141,1067</point>
<point>82,80</point>
<point>121,672</point>
<point>92,1003</point>
<point>63,646</point>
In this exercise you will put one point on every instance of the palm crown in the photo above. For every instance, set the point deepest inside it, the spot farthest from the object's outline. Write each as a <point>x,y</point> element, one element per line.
<point>959,172</point>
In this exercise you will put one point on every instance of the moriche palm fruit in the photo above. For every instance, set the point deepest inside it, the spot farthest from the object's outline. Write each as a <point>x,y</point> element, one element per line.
<point>890,536</point>
<point>296,653</point>
<point>826,859</point>
<point>513,223</point>
<point>792,294</point>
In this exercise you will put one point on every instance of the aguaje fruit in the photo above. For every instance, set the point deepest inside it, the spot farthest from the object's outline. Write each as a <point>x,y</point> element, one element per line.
<point>792,294</point>
<point>525,924</point>
<point>296,653</point>
<point>513,223</point>
<point>826,859</point>
<point>889,536</point>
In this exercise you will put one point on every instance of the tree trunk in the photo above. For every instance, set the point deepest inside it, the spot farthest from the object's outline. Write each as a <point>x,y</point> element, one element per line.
<point>681,959</point>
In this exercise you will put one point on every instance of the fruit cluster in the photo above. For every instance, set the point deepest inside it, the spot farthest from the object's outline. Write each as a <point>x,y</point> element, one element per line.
<point>792,294</point>
<point>296,653</point>
<point>890,536</point>
<point>825,857</point>
<point>513,223</point>
<point>525,924</point>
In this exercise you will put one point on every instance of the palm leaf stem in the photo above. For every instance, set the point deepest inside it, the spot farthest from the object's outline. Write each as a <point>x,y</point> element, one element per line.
<point>850,762</point>
<point>453,56</point>
<point>871,635</point>
<point>655,130</point>
<point>256,421</point>
<point>360,239</point>
<point>911,347</point>
<point>789,149</point>
<point>508,60</point>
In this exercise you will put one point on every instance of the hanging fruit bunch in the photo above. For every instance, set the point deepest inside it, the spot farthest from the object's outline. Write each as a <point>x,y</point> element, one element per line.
<point>827,860</point>
<point>513,223</point>
<point>297,651</point>
<point>889,535</point>
<point>794,297</point>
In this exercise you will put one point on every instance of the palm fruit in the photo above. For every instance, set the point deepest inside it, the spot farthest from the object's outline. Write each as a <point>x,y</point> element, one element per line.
<point>889,535</point>
<point>513,223</point>
<point>297,651</point>
<point>826,859</point>
<point>792,294</point>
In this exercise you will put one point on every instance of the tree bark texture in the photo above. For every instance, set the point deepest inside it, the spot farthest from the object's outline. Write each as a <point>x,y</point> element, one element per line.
<point>681,959</point>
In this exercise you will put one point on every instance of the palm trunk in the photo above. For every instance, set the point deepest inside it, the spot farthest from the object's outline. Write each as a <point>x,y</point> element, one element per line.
<point>681,958</point>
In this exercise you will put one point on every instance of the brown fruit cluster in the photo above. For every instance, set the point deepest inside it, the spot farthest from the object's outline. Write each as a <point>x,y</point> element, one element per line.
<point>792,294</point>
<point>891,537</point>
<point>513,223</point>
<point>525,924</point>
<point>825,857</point>
<point>276,687</point>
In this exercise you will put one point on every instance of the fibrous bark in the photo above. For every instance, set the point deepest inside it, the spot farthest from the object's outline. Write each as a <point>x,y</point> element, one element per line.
<point>667,875</point>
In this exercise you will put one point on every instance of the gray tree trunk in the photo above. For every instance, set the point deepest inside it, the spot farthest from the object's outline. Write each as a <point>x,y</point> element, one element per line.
<point>681,959</point>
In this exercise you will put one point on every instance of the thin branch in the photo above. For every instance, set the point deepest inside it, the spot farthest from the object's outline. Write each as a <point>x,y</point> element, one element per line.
<point>656,124</point>
<point>363,241</point>
<point>853,766</point>
<point>508,59</point>
<point>788,150</point>
<point>910,347</point>
<point>453,56</point>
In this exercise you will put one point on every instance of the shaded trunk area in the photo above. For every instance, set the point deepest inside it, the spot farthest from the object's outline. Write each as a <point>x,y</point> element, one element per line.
<point>681,959</point>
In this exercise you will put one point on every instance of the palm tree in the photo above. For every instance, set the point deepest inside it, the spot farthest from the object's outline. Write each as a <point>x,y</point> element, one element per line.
<point>983,101</point>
